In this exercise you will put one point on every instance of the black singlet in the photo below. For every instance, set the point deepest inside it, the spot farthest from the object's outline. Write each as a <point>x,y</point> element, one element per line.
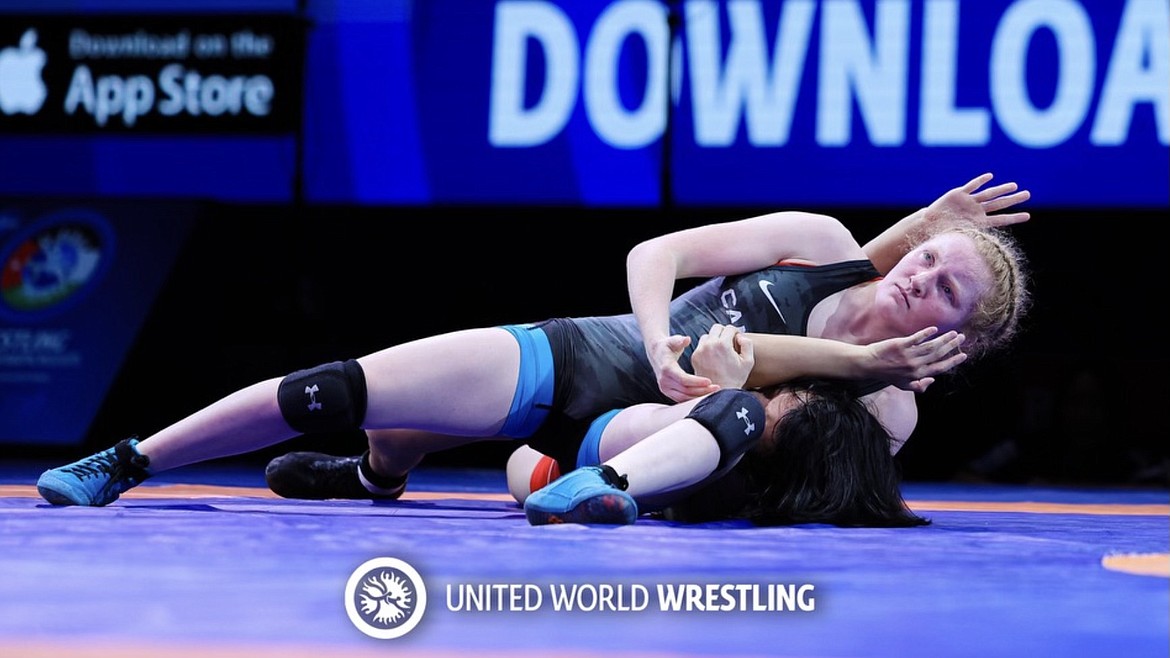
<point>600,362</point>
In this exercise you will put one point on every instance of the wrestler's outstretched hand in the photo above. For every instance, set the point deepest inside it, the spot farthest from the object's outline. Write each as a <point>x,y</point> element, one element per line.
<point>970,204</point>
<point>912,362</point>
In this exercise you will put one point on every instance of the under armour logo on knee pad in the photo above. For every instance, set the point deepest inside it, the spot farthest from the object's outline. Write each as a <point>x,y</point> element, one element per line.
<point>721,413</point>
<point>311,391</point>
<point>342,385</point>
<point>742,414</point>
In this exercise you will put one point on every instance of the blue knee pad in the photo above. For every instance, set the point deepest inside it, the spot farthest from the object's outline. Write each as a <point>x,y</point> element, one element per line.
<point>328,398</point>
<point>735,418</point>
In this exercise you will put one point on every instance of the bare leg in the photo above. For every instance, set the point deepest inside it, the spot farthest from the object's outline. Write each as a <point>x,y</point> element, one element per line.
<point>655,446</point>
<point>393,453</point>
<point>657,461</point>
<point>246,420</point>
<point>528,470</point>
<point>457,384</point>
<point>679,454</point>
<point>637,423</point>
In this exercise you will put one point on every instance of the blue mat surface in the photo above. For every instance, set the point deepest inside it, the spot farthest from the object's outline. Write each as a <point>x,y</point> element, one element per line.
<point>176,572</point>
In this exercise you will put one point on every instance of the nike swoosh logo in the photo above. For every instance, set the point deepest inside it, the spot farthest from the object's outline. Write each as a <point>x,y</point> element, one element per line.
<point>764,285</point>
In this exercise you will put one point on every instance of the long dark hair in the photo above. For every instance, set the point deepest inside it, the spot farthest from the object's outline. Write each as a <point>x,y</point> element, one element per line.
<point>829,462</point>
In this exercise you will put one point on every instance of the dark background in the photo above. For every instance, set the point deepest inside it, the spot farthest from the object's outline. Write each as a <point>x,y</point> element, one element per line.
<point>259,291</point>
<point>263,289</point>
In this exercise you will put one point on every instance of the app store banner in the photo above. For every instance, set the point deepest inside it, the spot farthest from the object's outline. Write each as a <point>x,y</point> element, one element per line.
<point>600,103</point>
<point>800,102</point>
<point>120,104</point>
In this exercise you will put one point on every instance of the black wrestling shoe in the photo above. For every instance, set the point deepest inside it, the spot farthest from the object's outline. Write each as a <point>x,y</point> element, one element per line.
<point>317,476</point>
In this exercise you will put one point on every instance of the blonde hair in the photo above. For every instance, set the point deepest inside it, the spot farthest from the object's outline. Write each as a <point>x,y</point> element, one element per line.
<point>995,320</point>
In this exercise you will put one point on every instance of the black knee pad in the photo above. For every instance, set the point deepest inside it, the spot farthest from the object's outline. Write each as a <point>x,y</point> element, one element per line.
<point>735,418</point>
<point>328,398</point>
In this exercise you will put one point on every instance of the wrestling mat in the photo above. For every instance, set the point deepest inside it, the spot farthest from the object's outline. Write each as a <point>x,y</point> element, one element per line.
<point>205,561</point>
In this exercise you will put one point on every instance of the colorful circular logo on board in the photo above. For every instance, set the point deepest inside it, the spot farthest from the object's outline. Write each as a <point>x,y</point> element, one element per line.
<point>53,264</point>
<point>385,598</point>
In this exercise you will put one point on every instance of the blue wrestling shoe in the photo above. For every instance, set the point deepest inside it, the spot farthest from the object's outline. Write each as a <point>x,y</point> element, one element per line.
<point>591,494</point>
<point>98,479</point>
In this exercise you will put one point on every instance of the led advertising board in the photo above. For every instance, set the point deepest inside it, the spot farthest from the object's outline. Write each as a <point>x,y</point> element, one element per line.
<point>150,104</point>
<point>743,102</point>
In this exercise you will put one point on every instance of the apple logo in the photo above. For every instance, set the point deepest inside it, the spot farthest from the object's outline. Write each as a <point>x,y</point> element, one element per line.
<point>21,86</point>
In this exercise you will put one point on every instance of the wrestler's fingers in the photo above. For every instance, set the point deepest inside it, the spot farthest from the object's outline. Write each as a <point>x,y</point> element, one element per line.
<point>938,351</point>
<point>744,345</point>
<point>949,349</point>
<point>990,193</point>
<point>690,393</point>
<point>712,344</point>
<point>1008,219</point>
<point>938,364</point>
<point>686,379</point>
<point>688,382</point>
<point>1000,202</point>
<point>706,390</point>
<point>675,392</point>
<point>920,385</point>
<point>722,330</point>
<point>948,364</point>
<point>943,343</point>
<point>922,335</point>
<point>977,182</point>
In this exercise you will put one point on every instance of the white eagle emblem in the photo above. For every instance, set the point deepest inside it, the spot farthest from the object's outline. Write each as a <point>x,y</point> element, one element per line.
<point>388,595</point>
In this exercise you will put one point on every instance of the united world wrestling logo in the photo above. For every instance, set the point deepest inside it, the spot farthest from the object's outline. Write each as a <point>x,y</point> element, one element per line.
<point>385,598</point>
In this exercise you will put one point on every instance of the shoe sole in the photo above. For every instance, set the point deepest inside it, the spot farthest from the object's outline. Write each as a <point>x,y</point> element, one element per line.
<point>606,509</point>
<point>55,497</point>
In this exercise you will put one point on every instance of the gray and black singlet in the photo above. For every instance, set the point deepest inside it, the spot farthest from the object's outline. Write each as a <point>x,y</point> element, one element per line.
<point>600,364</point>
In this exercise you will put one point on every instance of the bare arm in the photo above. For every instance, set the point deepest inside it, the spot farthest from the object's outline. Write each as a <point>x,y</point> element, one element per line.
<point>732,359</point>
<point>653,267</point>
<point>727,356</point>
<point>909,363</point>
<point>966,204</point>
